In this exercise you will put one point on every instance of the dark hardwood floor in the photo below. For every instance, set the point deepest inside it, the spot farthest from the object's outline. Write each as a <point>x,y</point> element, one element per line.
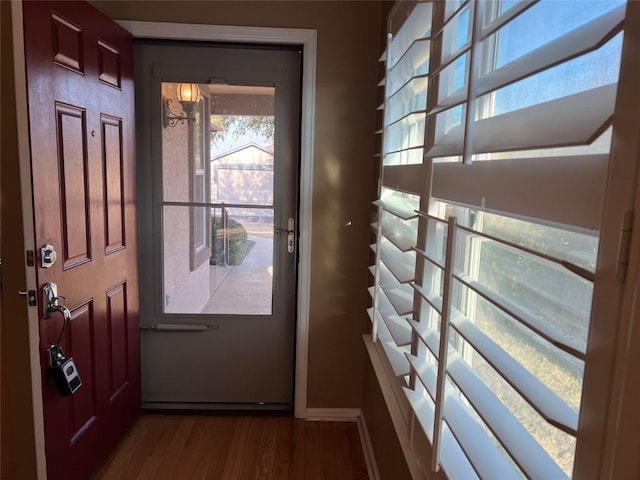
<point>190,447</point>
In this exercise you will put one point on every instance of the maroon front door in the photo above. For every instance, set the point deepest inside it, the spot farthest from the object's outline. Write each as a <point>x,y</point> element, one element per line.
<point>81,116</point>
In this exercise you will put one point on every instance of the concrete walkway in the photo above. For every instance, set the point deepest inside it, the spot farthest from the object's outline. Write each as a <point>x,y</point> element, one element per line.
<point>244,289</point>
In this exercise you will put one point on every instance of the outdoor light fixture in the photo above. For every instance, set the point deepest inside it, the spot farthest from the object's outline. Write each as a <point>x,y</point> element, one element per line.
<point>188,96</point>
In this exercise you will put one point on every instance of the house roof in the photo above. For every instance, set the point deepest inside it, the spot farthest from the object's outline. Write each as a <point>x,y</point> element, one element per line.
<point>268,150</point>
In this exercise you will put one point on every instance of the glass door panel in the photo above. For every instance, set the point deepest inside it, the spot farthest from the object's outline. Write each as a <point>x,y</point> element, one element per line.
<point>241,271</point>
<point>218,195</point>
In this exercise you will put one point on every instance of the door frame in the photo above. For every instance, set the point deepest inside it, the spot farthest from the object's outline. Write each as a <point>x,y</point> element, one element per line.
<point>275,36</point>
<point>27,416</point>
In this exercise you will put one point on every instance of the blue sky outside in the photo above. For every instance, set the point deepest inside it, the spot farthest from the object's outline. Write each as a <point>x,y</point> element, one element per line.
<point>542,23</point>
<point>539,25</point>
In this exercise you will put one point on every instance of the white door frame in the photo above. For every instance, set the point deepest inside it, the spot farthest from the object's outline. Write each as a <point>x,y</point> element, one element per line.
<point>288,36</point>
<point>31,414</point>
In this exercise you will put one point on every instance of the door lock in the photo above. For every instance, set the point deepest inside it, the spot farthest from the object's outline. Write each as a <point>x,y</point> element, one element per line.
<point>48,256</point>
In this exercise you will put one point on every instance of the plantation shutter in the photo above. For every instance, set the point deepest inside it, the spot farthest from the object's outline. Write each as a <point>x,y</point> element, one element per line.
<point>495,143</point>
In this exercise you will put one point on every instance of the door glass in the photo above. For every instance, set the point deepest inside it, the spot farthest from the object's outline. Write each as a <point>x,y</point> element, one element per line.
<point>218,211</point>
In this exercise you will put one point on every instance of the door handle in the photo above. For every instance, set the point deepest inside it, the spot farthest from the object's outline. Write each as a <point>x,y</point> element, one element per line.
<point>50,299</point>
<point>62,369</point>
<point>174,327</point>
<point>51,307</point>
<point>290,227</point>
<point>290,231</point>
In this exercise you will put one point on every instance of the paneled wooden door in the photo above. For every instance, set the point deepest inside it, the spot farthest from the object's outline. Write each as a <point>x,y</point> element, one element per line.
<point>81,117</point>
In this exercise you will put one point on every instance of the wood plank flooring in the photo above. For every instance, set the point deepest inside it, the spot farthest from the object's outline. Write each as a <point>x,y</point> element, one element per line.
<point>195,447</point>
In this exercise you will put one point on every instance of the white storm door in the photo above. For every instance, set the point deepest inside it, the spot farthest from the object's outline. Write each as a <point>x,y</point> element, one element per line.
<point>219,154</point>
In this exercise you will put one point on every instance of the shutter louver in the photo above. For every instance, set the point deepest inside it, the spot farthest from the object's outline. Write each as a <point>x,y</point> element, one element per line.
<point>574,120</point>
<point>477,135</point>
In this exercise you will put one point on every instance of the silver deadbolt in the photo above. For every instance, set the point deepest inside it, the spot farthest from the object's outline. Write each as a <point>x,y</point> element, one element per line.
<point>48,256</point>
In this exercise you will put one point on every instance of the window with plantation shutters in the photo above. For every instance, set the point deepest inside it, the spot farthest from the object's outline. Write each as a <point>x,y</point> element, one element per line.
<point>496,135</point>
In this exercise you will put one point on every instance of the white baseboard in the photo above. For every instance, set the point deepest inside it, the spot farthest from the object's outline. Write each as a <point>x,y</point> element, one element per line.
<point>333,414</point>
<point>367,449</point>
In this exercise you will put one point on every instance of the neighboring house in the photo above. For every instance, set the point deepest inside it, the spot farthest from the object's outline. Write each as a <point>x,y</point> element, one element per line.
<point>243,175</point>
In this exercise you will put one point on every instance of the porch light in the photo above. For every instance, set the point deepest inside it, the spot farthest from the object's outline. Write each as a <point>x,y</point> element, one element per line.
<point>188,96</point>
<point>188,93</point>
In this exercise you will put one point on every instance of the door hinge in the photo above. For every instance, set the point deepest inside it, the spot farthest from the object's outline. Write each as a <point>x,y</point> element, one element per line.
<point>625,245</point>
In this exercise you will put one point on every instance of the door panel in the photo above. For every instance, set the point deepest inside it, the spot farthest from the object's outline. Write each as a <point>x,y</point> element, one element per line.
<point>218,331</point>
<point>118,327</point>
<point>72,163</point>
<point>81,121</point>
<point>113,155</point>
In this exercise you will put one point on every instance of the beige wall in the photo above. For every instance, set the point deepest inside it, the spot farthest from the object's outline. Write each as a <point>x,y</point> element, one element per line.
<point>347,71</point>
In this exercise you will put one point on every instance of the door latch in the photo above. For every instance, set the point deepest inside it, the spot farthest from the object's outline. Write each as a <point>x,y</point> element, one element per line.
<point>31,296</point>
